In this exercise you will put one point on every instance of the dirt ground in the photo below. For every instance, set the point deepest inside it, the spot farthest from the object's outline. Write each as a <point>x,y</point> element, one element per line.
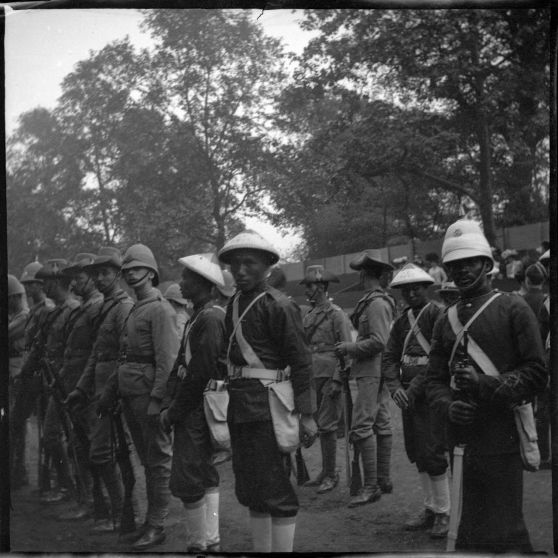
<point>325,524</point>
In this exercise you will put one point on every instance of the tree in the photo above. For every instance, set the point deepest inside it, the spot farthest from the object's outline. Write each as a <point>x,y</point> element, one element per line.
<point>488,69</point>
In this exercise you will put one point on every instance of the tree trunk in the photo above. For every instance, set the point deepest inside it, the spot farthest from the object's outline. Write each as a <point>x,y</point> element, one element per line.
<point>485,186</point>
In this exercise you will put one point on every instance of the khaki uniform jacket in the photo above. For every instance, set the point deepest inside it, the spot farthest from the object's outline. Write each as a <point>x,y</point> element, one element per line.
<point>58,331</point>
<point>374,316</point>
<point>150,336</point>
<point>103,360</point>
<point>325,325</point>
<point>80,338</point>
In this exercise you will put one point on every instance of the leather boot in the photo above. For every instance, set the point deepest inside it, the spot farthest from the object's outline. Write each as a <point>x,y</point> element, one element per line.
<point>113,484</point>
<point>384,463</point>
<point>370,492</point>
<point>323,473</point>
<point>329,451</point>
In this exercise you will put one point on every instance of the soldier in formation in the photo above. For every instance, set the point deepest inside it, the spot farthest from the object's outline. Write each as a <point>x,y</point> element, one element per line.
<point>325,324</point>
<point>404,365</point>
<point>109,352</point>
<point>486,359</point>
<point>371,420</point>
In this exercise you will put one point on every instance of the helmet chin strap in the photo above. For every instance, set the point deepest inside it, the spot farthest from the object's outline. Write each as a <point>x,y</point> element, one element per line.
<point>482,273</point>
<point>135,282</point>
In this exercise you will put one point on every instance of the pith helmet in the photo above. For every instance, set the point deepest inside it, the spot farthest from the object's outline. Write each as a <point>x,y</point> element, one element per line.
<point>369,259</point>
<point>53,269</point>
<point>139,255</point>
<point>205,265</point>
<point>109,256</point>
<point>14,286</point>
<point>545,257</point>
<point>448,287</point>
<point>536,273</point>
<point>465,239</point>
<point>30,272</point>
<point>248,240</point>
<point>229,288</point>
<point>410,274</point>
<point>174,293</point>
<point>317,274</point>
<point>79,264</point>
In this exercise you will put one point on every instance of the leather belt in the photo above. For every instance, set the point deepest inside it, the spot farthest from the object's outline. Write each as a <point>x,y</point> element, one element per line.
<point>409,360</point>
<point>140,359</point>
<point>238,372</point>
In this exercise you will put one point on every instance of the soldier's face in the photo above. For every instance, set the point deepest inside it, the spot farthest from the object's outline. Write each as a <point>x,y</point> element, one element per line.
<point>415,295</point>
<point>249,268</point>
<point>138,276</point>
<point>191,284</point>
<point>82,283</point>
<point>466,273</point>
<point>105,277</point>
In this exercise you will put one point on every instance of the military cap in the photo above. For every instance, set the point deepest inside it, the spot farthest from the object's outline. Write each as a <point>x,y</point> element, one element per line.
<point>410,274</point>
<point>53,269</point>
<point>317,274</point>
<point>369,259</point>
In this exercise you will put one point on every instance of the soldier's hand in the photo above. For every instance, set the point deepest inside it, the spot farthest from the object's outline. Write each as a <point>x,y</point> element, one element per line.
<point>466,378</point>
<point>164,420</point>
<point>461,412</point>
<point>333,389</point>
<point>308,430</point>
<point>154,407</point>
<point>75,399</point>
<point>401,398</point>
<point>343,348</point>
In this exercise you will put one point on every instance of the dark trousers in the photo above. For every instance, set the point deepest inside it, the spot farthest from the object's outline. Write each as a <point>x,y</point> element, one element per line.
<point>154,448</point>
<point>261,471</point>
<point>425,441</point>
<point>192,472</point>
<point>492,512</point>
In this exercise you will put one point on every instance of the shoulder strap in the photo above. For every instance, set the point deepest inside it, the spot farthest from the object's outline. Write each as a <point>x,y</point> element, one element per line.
<point>315,327</point>
<point>415,329</point>
<point>248,353</point>
<point>186,338</point>
<point>473,349</point>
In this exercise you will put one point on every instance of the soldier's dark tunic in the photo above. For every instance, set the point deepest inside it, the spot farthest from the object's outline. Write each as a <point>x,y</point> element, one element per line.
<point>507,331</point>
<point>273,328</point>
<point>192,470</point>
<point>424,432</point>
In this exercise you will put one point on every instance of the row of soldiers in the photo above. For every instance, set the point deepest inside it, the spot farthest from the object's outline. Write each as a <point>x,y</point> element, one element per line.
<point>112,353</point>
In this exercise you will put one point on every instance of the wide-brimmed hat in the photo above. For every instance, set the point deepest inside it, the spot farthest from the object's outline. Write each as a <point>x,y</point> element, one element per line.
<point>410,274</point>
<point>79,263</point>
<point>370,259</point>
<point>318,274</point>
<point>248,240</point>
<point>30,273</point>
<point>53,269</point>
<point>107,256</point>
<point>205,265</point>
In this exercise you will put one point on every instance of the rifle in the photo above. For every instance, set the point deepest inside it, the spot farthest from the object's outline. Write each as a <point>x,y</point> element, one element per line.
<point>354,477</point>
<point>122,454</point>
<point>74,432</point>
<point>302,475</point>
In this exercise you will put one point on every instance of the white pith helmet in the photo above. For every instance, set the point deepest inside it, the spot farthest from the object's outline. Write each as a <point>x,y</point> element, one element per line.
<point>465,239</point>
<point>248,240</point>
<point>410,274</point>
<point>205,265</point>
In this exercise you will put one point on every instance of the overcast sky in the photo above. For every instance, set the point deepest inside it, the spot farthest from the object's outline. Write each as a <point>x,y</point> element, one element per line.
<point>42,47</point>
